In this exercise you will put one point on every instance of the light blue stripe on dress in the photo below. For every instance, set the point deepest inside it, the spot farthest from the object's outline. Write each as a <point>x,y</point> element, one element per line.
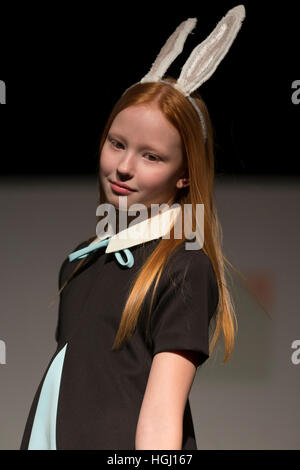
<point>43,434</point>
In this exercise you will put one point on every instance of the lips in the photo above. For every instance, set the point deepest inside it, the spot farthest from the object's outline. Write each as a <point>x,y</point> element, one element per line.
<point>122,185</point>
<point>121,189</point>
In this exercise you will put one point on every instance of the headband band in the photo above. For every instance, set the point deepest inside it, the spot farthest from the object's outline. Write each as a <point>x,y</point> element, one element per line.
<point>193,102</point>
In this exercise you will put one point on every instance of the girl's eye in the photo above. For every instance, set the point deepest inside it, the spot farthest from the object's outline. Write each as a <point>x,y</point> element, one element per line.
<point>113,140</point>
<point>154,156</point>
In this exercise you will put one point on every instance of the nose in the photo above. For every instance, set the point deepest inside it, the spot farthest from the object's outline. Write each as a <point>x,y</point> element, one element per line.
<point>126,164</point>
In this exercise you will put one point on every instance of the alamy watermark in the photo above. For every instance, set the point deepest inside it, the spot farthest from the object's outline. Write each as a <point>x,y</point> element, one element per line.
<point>158,223</point>
<point>295,357</point>
<point>2,92</point>
<point>296,94</point>
<point>2,352</point>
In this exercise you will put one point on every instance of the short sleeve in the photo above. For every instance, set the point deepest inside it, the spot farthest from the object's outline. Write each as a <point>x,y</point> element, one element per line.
<point>187,301</point>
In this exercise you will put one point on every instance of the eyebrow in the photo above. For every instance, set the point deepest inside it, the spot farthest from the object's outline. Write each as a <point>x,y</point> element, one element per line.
<point>144,147</point>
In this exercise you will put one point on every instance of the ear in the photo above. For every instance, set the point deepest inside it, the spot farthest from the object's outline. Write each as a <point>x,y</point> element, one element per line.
<point>171,49</point>
<point>183,182</point>
<point>206,57</point>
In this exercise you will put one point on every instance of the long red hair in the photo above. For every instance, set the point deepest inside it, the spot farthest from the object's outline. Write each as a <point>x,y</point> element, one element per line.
<point>199,158</point>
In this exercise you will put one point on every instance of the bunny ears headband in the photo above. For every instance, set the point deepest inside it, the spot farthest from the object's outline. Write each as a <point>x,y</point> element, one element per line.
<point>203,60</point>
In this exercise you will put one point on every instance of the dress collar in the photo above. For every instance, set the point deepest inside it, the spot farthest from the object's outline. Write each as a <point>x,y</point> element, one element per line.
<point>149,229</point>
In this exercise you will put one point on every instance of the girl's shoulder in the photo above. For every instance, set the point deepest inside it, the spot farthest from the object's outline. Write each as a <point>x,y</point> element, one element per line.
<point>189,270</point>
<point>195,260</point>
<point>66,266</point>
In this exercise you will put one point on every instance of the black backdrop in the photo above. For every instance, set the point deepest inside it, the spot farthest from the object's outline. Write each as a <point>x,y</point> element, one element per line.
<point>64,68</point>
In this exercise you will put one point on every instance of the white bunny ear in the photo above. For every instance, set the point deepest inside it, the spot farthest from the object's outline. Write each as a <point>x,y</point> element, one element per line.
<point>205,58</point>
<point>172,48</point>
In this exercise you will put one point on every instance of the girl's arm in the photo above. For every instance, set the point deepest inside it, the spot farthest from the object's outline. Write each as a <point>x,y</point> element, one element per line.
<point>161,415</point>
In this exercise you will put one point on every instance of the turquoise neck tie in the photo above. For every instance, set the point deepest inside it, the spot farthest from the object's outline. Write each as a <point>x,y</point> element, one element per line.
<point>83,252</point>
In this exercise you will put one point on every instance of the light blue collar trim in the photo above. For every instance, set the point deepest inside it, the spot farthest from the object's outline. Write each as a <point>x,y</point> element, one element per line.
<point>149,229</point>
<point>83,252</point>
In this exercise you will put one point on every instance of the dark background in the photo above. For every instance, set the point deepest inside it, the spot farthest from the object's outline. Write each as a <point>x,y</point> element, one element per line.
<point>64,69</point>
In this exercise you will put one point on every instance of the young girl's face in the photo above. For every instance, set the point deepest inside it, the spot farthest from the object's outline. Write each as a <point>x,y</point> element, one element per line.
<point>142,150</point>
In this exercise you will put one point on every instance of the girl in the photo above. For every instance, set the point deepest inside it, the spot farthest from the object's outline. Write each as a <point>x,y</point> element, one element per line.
<point>131,333</point>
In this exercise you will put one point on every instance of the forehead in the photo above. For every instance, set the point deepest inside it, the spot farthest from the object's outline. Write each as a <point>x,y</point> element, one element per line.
<point>147,123</point>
